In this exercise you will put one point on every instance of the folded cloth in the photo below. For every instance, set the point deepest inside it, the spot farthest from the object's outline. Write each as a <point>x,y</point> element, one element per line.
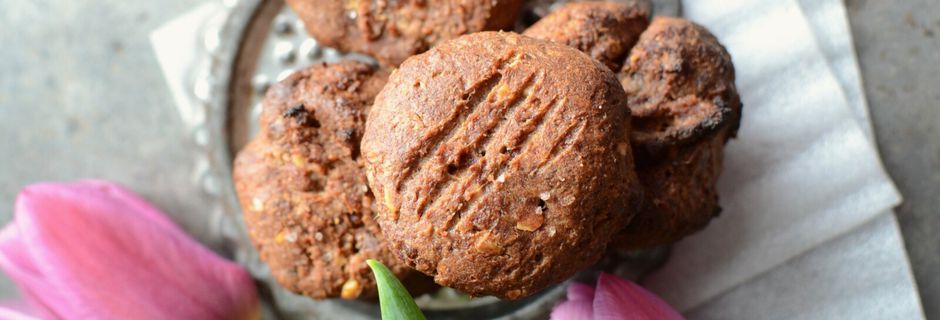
<point>824,282</point>
<point>802,171</point>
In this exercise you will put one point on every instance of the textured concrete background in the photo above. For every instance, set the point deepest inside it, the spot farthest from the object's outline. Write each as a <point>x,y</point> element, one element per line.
<point>81,95</point>
<point>898,44</point>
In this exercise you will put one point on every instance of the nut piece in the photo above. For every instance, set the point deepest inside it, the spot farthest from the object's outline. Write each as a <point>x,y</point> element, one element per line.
<point>466,139</point>
<point>392,31</point>
<point>680,84</point>
<point>604,30</point>
<point>351,289</point>
<point>300,181</point>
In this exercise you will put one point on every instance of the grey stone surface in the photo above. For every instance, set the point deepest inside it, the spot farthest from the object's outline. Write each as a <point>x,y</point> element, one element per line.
<point>81,95</point>
<point>898,44</point>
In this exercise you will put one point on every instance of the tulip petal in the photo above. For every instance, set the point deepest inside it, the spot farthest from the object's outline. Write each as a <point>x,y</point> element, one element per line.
<point>580,291</point>
<point>616,298</point>
<point>17,310</point>
<point>16,261</point>
<point>113,255</point>
<point>573,310</point>
<point>578,306</point>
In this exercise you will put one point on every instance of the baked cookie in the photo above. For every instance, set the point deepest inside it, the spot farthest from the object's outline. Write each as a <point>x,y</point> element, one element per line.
<point>307,205</point>
<point>392,31</point>
<point>604,30</point>
<point>680,87</point>
<point>498,162</point>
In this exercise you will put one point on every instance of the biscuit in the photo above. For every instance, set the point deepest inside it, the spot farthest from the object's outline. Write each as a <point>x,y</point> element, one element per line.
<point>501,163</point>
<point>604,30</point>
<point>680,86</point>
<point>306,202</point>
<point>392,31</point>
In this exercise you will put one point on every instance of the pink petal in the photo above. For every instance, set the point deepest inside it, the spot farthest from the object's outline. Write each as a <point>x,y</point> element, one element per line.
<point>580,291</point>
<point>102,252</point>
<point>16,261</point>
<point>573,310</point>
<point>617,298</point>
<point>17,310</point>
<point>578,306</point>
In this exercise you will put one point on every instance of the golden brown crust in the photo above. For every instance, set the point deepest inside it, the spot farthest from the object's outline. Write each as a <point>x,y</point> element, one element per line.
<point>604,30</point>
<point>680,84</point>
<point>306,202</point>
<point>392,31</point>
<point>498,162</point>
<point>680,195</point>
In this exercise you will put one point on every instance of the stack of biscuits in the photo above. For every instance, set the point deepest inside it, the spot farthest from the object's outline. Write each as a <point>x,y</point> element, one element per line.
<point>495,163</point>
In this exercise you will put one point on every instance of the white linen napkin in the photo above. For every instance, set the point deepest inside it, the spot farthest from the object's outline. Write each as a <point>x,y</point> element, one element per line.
<point>862,275</point>
<point>802,171</point>
<point>830,25</point>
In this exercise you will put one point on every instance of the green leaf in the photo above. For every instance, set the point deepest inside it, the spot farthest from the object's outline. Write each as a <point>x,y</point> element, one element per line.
<point>395,301</point>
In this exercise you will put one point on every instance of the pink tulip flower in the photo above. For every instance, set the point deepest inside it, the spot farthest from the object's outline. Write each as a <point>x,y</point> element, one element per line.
<point>614,298</point>
<point>93,250</point>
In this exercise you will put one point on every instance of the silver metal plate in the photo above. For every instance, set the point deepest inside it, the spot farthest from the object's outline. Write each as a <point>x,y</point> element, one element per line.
<point>252,45</point>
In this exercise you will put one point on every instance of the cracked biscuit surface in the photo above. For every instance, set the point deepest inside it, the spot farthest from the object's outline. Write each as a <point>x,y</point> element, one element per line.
<point>604,30</point>
<point>501,164</point>
<point>392,31</point>
<point>305,198</point>
<point>680,86</point>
